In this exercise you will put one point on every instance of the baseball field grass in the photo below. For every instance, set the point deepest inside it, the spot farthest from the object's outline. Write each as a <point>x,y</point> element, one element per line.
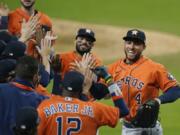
<point>158,15</point>
<point>161,15</point>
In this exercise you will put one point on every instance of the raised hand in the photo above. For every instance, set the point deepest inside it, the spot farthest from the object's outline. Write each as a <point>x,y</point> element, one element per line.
<point>45,50</point>
<point>88,79</point>
<point>39,35</point>
<point>45,47</point>
<point>87,62</point>
<point>28,29</point>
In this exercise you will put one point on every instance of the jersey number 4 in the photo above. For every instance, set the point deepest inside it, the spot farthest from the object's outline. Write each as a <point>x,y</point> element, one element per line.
<point>76,129</point>
<point>138,98</point>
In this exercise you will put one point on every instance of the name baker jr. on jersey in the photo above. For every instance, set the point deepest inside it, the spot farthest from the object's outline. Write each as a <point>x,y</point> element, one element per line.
<point>69,108</point>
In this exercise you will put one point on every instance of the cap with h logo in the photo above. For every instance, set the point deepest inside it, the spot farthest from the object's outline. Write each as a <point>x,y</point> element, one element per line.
<point>86,33</point>
<point>135,34</point>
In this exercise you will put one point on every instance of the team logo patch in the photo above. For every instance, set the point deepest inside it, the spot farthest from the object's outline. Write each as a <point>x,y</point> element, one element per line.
<point>134,32</point>
<point>170,76</point>
<point>68,99</point>
<point>69,88</point>
<point>23,127</point>
<point>88,30</point>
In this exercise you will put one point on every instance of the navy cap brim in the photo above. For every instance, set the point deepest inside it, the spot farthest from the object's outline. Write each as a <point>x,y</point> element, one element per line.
<point>88,36</point>
<point>127,38</point>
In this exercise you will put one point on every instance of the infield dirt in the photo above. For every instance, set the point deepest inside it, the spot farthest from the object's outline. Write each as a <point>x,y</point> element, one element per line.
<point>109,44</point>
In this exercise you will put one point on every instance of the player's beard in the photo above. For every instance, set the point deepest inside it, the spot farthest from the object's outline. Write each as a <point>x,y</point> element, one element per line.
<point>132,59</point>
<point>82,52</point>
<point>29,6</point>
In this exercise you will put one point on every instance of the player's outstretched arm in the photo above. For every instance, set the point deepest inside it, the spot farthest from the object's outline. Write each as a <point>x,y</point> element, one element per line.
<point>114,90</point>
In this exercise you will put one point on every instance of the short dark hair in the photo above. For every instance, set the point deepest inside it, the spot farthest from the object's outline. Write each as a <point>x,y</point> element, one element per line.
<point>27,67</point>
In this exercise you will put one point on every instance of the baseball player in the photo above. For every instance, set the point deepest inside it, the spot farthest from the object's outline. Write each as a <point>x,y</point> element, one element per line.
<point>16,49</point>
<point>85,39</point>
<point>84,43</point>
<point>19,93</point>
<point>68,115</point>
<point>140,80</point>
<point>25,13</point>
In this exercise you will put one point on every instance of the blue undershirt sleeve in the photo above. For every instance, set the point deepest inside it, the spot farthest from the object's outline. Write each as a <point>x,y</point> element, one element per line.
<point>57,82</point>
<point>45,77</point>
<point>171,95</point>
<point>122,107</point>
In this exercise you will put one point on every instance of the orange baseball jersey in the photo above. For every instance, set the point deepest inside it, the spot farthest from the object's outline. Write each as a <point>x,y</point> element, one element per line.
<point>69,57</point>
<point>15,19</point>
<point>71,116</point>
<point>140,81</point>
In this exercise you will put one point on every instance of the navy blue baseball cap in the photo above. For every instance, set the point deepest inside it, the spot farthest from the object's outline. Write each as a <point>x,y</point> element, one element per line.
<point>73,81</point>
<point>86,33</point>
<point>14,49</point>
<point>135,34</point>
<point>26,118</point>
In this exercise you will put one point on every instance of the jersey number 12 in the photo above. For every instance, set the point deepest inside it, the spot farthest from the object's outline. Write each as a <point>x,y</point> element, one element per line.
<point>69,120</point>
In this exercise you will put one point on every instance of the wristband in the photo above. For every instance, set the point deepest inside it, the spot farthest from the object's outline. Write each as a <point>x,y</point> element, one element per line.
<point>109,79</point>
<point>114,90</point>
<point>158,100</point>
